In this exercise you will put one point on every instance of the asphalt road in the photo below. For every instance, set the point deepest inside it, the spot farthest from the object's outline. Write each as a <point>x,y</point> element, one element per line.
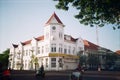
<point>65,75</point>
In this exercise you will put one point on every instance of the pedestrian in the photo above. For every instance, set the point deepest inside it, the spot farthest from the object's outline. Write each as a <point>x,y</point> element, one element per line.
<point>99,68</point>
<point>40,74</point>
<point>42,68</point>
<point>80,69</point>
<point>42,71</point>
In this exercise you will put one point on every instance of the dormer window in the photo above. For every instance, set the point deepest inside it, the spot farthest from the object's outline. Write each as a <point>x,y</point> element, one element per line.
<point>53,27</point>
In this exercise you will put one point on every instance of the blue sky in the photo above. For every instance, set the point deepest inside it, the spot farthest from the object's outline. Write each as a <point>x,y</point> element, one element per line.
<point>20,20</point>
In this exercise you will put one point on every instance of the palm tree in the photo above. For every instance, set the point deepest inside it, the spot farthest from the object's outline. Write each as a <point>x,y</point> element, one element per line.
<point>34,61</point>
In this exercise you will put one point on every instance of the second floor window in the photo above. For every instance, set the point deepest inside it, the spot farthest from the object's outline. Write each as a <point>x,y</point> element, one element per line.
<point>47,48</point>
<point>53,48</point>
<point>42,49</point>
<point>38,50</point>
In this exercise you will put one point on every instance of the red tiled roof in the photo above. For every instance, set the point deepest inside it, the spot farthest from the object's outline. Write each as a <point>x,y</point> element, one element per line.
<point>118,52</point>
<point>26,42</point>
<point>56,17</point>
<point>29,41</point>
<point>40,38</point>
<point>89,45</point>
<point>15,45</point>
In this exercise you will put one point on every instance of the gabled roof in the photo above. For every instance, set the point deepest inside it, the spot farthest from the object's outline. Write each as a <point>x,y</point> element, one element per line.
<point>118,52</point>
<point>29,41</point>
<point>71,38</point>
<point>40,38</point>
<point>89,45</point>
<point>26,42</point>
<point>54,16</point>
<point>15,45</point>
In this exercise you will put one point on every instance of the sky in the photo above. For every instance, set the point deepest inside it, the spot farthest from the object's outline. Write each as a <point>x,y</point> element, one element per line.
<point>21,20</point>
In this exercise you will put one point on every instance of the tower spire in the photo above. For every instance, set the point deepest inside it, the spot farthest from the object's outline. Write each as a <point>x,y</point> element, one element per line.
<point>52,17</point>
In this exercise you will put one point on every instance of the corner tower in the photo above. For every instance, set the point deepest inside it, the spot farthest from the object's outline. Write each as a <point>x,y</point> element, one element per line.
<point>54,32</point>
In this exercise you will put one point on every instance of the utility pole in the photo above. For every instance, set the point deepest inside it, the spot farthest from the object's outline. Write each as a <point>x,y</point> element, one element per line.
<point>100,57</point>
<point>119,38</point>
<point>97,37</point>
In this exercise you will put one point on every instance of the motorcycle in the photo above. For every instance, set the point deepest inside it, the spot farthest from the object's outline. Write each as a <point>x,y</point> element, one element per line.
<point>40,74</point>
<point>76,75</point>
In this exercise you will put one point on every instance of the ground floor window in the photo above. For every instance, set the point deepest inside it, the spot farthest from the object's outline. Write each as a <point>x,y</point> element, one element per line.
<point>53,62</point>
<point>46,62</point>
<point>60,62</point>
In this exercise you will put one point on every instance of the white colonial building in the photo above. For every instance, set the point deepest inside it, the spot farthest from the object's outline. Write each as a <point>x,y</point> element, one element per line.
<point>54,49</point>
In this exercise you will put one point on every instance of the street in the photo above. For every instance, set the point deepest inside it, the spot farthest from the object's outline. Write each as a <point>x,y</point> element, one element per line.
<point>65,75</point>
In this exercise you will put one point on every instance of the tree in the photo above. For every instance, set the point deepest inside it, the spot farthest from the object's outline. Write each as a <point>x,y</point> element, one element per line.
<point>94,12</point>
<point>4,58</point>
<point>83,61</point>
<point>81,57</point>
<point>34,60</point>
<point>93,61</point>
<point>110,59</point>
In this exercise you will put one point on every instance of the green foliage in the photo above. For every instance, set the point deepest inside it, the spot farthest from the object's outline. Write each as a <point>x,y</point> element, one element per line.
<point>110,59</point>
<point>4,57</point>
<point>94,12</point>
<point>83,59</point>
<point>34,60</point>
<point>93,60</point>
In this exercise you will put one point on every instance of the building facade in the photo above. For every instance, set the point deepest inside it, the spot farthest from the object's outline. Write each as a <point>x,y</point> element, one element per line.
<point>54,49</point>
<point>96,56</point>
